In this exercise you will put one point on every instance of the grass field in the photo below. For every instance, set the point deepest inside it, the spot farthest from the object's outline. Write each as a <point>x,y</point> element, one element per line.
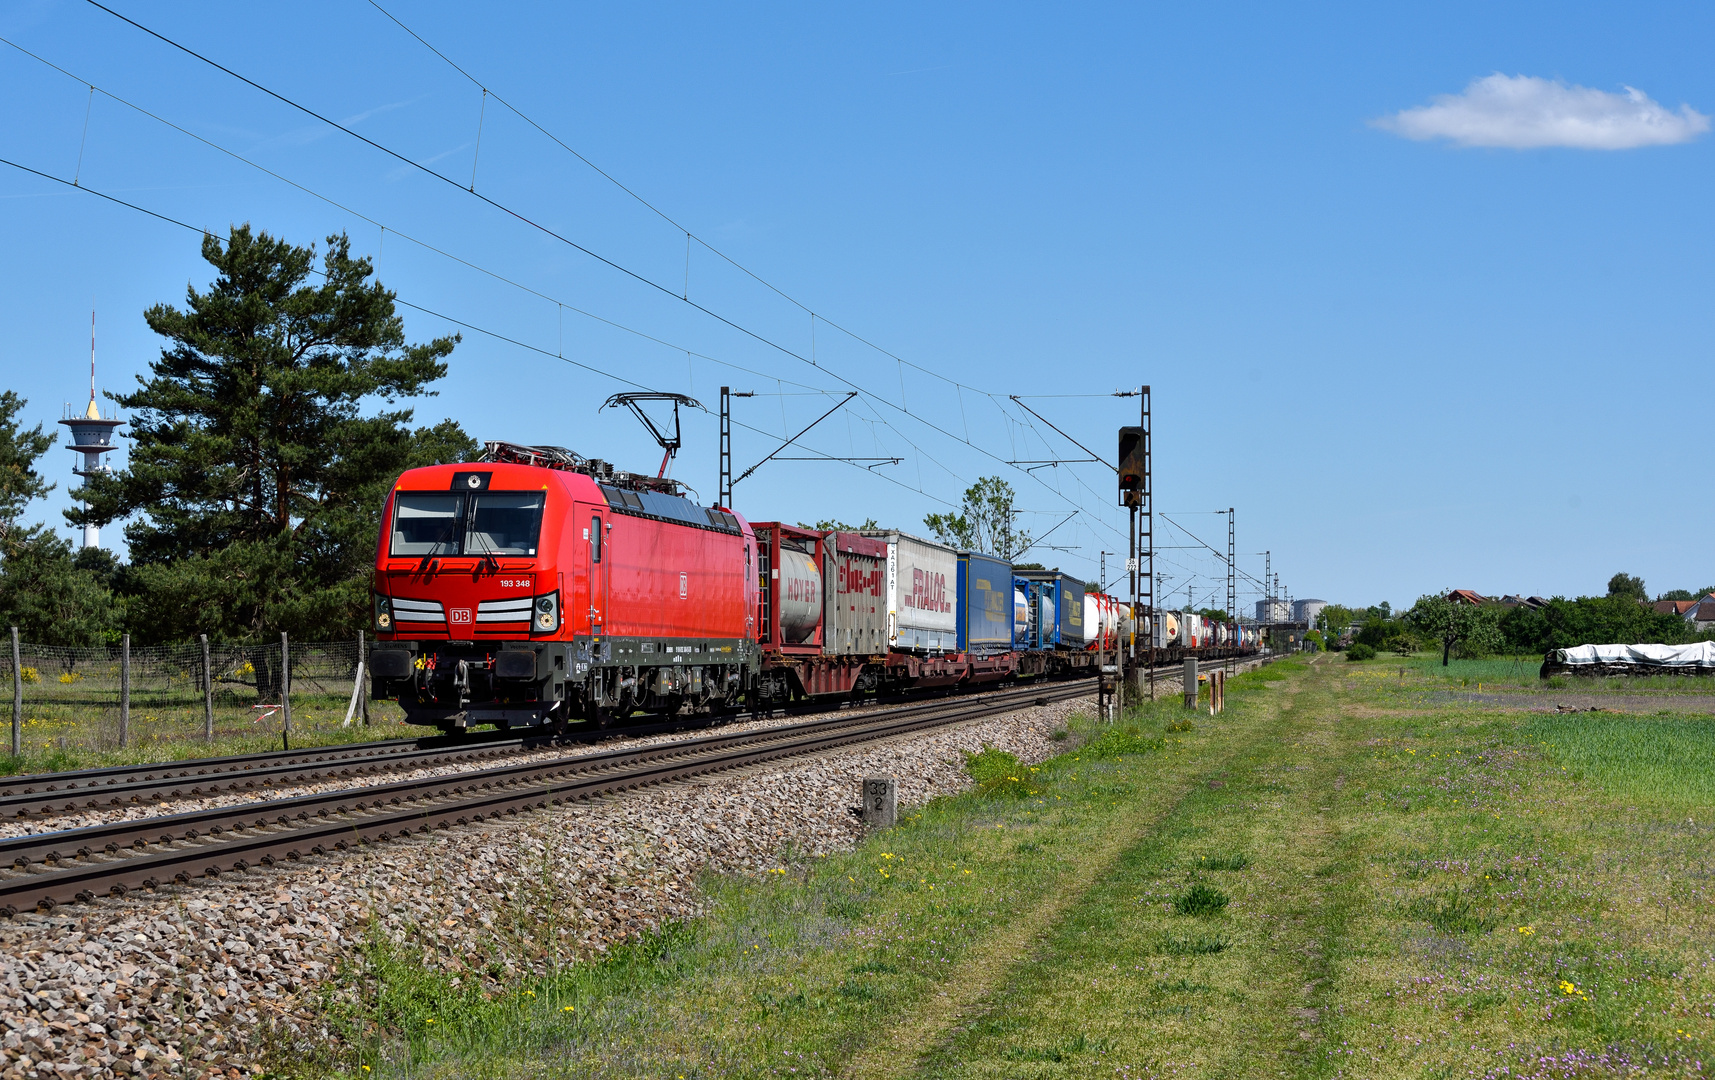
<point>58,736</point>
<point>1516,673</point>
<point>1323,882</point>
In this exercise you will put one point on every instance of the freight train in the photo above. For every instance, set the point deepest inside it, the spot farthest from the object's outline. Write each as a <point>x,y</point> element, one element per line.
<point>537,587</point>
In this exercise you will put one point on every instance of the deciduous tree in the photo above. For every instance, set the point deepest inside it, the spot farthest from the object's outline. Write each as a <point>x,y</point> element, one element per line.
<point>1475,628</point>
<point>1629,586</point>
<point>983,522</point>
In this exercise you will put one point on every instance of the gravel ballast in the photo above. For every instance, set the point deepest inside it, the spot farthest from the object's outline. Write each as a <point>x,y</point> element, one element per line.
<point>182,980</point>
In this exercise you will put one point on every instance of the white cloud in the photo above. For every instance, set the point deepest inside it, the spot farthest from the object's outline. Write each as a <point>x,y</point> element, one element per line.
<point>1522,111</point>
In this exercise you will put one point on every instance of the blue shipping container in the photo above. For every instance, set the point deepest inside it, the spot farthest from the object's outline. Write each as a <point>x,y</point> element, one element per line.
<point>1058,609</point>
<point>985,604</point>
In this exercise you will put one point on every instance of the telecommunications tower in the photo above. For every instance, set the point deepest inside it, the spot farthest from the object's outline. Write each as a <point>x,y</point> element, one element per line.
<point>91,435</point>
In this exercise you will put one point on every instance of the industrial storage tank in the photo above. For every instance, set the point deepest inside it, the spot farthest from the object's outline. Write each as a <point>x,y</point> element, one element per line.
<point>985,610</point>
<point>1020,613</point>
<point>921,589</point>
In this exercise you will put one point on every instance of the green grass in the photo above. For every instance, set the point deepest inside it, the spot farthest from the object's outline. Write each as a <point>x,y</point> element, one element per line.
<point>59,737</point>
<point>1320,883</point>
<point>1514,673</point>
<point>1653,758</point>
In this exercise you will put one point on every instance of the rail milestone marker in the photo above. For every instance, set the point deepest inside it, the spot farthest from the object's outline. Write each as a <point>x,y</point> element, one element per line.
<point>880,802</point>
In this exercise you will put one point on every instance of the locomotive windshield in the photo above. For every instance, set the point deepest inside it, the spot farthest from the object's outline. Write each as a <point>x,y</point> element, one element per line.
<point>439,524</point>
<point>504,523</point>
<point>426,523</point>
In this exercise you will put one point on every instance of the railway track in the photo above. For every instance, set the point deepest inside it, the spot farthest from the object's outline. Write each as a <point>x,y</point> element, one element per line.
<point>48,869</point>
<point>71,792</point>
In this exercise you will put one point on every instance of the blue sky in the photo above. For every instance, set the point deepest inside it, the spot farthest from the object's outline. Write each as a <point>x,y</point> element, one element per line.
<point>1408,362</point>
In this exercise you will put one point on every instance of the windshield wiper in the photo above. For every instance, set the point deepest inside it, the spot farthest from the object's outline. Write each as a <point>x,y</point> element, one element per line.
<point>488,558</point>
<point>446,534</point>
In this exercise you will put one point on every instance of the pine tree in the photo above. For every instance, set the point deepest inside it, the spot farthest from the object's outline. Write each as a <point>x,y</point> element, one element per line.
<point>256,469</point>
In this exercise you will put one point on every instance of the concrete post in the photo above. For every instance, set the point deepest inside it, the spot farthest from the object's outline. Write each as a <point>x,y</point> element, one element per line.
<point>880,802</point>
<point>362,665</point>
<point>1190,682</point>
<point>124,690</point>
<point>17,698</point>
<point>207,691</point>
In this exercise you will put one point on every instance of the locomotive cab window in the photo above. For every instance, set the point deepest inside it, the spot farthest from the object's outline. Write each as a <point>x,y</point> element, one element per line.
<point>504,523</point>
<point>595,539</point>
<point>426,523</point>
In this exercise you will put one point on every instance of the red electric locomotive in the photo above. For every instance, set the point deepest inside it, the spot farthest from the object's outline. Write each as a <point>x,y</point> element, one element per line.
<point>536,587</point>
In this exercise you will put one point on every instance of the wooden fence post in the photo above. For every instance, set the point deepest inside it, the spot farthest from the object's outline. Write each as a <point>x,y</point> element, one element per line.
<point>207,691</point>
<point>124,690</point>
<point>17,698</point>
<point>285,686</point>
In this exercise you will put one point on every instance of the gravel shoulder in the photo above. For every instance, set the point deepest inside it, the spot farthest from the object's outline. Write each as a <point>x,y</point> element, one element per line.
<point>180,982</point>
<point>57,822</point>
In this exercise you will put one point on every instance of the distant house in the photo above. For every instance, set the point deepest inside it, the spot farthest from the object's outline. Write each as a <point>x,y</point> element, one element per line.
<point>1703,616</point>
<point>1523,601</point>
<point>1682,608</point>
<point>1465,596</point>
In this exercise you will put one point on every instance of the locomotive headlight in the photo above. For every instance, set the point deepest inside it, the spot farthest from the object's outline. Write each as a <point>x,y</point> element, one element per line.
<point>547,616</point>
<point>383,613</point>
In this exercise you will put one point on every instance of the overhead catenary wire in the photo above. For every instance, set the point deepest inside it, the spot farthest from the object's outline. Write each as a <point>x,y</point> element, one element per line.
<point>384,228</point>
<point>475,328</point>
<point>903,407</point>
<point>662,214</point>
<point>635,275</point>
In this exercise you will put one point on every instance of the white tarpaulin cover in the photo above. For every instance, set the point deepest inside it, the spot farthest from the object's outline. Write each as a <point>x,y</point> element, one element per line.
<point>1700,654</point>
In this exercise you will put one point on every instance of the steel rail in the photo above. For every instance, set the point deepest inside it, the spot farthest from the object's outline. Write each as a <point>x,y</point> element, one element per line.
<point>21,852</point>
<point>261,834</point>
<point>29,794</point>
<point>149,789</point>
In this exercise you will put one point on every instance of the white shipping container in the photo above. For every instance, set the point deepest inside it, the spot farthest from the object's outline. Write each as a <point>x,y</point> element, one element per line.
<point>922,593</point>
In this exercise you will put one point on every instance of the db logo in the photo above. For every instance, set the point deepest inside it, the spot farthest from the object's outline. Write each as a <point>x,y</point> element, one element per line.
<point>459,616</point>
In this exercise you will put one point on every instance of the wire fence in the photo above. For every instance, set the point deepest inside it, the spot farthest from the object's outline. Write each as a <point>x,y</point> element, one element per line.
<point>111,697</point>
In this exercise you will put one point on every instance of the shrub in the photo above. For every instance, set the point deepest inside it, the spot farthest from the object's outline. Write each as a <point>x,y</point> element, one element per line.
<point>1200,900</point>
<point>1360,651</point>
<point>998,773</point>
